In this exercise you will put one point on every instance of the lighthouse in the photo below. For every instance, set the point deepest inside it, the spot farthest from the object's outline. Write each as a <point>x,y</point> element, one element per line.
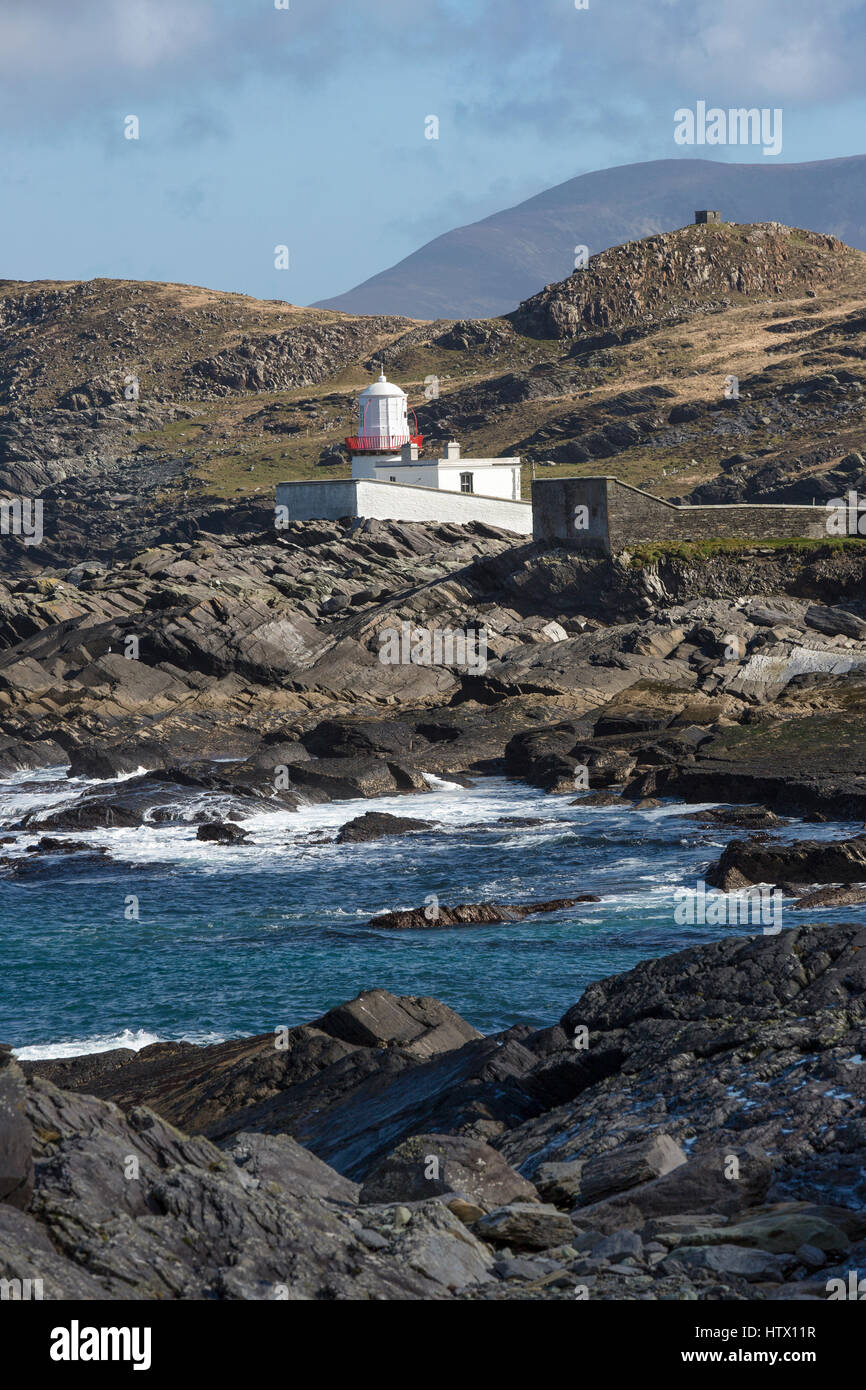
<point>386,451</point>
<point>383,427</point>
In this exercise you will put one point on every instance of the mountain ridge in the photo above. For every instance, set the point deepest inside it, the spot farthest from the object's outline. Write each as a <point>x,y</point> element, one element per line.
<point>486,268</point>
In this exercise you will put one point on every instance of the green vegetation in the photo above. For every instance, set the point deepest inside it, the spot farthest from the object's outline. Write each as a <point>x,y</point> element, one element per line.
<point>700,551</point>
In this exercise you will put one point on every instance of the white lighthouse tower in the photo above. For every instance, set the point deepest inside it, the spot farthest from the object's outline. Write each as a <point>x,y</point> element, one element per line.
<point>383,429</point>
<point>385,451</point>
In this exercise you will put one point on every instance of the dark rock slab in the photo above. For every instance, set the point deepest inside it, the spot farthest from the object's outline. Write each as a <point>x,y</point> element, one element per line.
<point>277,1158</point>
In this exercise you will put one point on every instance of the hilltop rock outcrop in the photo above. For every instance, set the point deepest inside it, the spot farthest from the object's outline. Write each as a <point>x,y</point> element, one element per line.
<point>667,276</point>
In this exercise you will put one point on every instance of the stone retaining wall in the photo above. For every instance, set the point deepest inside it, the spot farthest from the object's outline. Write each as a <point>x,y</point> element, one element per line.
<point>604,515</point>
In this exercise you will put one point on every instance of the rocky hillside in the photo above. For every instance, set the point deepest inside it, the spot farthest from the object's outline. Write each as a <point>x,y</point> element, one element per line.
<point>74,344</point>
<point>621,368</point>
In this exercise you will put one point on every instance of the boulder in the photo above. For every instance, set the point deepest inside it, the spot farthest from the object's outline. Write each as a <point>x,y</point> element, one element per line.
<point>724,1261</point>
<point>832,897</point>
<point>220,833</point>
<point>526,1226</point>
<point>433,1164</point>
<point>628,1166</point>
<point>803,861</point>
<point>277,1158</point>
<point>699,1185</point>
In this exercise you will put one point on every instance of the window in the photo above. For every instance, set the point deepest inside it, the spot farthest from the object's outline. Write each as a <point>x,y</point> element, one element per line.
<point>466,482</point>
<point>392,479</point>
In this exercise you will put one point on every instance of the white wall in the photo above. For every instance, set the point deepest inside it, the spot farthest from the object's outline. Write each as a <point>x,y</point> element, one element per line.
<point>360,497</point>
<point>418,474</point>
<point>490,477</point>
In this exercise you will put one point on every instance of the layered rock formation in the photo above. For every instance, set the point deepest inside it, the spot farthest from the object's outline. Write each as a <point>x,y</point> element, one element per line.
<point>692,1129</point>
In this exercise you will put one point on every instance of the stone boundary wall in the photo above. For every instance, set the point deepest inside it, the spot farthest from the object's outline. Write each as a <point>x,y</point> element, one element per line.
<point>363,497</point>
<point>618,516</point>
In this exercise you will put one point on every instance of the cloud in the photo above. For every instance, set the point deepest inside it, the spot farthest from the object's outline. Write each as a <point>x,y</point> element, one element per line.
<point>51,39</point>
<point>511,60</point>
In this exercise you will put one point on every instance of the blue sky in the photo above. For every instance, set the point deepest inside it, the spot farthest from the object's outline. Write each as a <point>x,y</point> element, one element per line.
<point>305,126</point>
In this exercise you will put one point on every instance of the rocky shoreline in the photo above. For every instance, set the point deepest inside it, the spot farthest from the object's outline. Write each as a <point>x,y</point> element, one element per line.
<point>736,677</point>
<point>689,1130</point>
<point>692,1130</point>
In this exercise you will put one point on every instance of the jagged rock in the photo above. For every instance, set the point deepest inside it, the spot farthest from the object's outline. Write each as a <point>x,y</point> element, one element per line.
<point>803,861</point>
<point>832,897</point>
<point>724,1261</point>
<point>559,1182</point>
<point>276,1158</point>
<point>16,1138</point>
<point>748,817</point>
<point>778,1231</point>
<point>602,799</point>
<point>432,1244</point>
<point>618,1245</point>
<point>835,620</point>
<point>111,1233</point>
<point>421,1025</point>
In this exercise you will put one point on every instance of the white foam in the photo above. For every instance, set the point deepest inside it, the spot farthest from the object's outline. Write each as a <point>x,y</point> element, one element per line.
<point>42,1051</point>
<point>78,1047</point>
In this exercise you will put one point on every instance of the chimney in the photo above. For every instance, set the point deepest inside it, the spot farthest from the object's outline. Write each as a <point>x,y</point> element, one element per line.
<point>452,449</point>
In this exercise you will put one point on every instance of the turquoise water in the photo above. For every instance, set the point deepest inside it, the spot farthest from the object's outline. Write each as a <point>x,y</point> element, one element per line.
<point>236,940</point>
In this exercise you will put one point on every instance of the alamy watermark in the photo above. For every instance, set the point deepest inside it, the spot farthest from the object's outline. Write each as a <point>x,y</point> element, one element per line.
<point>22,516</point>
<point>434,646</point>
<point>846,516</point>
<point>757,907</point>
<point>21,1290</point>
<point>736,126</point>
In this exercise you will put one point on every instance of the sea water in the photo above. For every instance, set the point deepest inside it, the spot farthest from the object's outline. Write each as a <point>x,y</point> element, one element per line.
<point>170,937</point>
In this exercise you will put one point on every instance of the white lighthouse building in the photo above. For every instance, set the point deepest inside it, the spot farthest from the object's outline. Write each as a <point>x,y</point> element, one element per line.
<point>386,448</point>
<point>391,481</point>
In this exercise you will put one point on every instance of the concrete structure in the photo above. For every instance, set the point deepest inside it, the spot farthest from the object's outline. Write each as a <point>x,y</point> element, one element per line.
<point>363,497</point>
<point>386,452</point>
<point>707,215</point>
<point>604,516</point>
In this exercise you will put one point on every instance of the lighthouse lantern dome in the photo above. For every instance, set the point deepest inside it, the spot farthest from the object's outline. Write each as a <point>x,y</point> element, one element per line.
<point>383,419</point>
